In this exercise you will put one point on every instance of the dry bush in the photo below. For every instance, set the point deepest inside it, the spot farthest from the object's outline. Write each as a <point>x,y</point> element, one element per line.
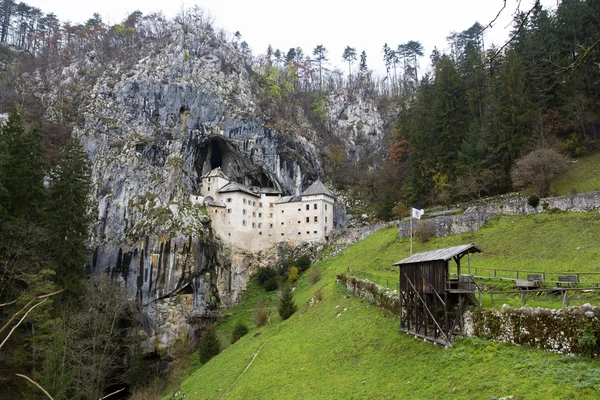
<point>424,230</point>
<point>319,294</point>
<point>538,169</point>
<point>262,315</point>
<point>315,276</point>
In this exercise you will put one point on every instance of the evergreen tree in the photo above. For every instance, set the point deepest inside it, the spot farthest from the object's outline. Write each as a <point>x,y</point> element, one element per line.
<point>287,306</point>
<point>68,217</point>
<point>363,62</point>
<point>22,193</point>
<point>349,56</point>
<point>209,346</point>
<point>320,53</point>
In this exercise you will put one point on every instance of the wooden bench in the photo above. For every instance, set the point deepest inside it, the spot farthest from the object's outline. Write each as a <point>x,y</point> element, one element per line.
<point>567,280</point>
<point>524,284</point>
<point>537,279</point>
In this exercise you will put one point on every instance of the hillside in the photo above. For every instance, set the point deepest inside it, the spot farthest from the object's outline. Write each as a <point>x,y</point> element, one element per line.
<point>343,347</point>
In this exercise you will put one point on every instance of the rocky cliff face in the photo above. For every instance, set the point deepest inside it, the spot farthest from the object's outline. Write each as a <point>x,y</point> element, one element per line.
<point>154,120</point>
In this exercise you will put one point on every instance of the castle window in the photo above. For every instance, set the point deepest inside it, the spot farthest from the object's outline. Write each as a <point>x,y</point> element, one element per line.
<point>253,204</point>
<point>244,201</point>
<point>282,211</point>
<point>316,219</point>
<point>325,207</point>
<point>299,233</point>
<point>271,226</point>
<point>298,221</point>
<point>254,224</point>
<point>271,215</point>
<point>259,215</point>
<point>209,180</point>
<point>307,207</point>
<point>254,213</point>
<point>315,232</point>
<point>307,219</point>
<point>325,219</point>
<point>229,211</point>
<point>229,199</point>
<point>216,211</point>
<point>308,232</point>
<point>260,225</point>
<point>270,204</point>
<point>299,209</point>
<point>244,222</point>
<point>209,188</point>
<point>315,207</point>
<point>282,223</point>
<point>282,234</point>
<point>260,204</point>
<point>244,211</point>
<point>260,233</point>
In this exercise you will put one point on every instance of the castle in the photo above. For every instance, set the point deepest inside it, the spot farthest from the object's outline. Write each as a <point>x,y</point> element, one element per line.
<point>257,218</point>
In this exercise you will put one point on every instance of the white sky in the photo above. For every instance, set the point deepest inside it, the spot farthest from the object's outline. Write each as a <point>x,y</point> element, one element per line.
<point>365,25</point>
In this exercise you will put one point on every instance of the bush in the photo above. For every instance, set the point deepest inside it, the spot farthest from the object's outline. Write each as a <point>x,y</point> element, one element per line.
<point>588,339</point>
<point>533,200</point>
<point>424,230</point>
<point>315,276</point>
<point>319,294</point>
<point>303,263</point>
<point>538,169</point>
<point>267,278</point>
<point>262,316</point>
<point>209,346</point>
<point>287,307</point>
<point>239,330</point>
<point>293,276</point>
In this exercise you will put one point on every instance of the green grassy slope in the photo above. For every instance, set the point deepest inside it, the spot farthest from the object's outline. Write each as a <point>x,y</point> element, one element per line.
<point>344,347</point>
<point>583,176</point>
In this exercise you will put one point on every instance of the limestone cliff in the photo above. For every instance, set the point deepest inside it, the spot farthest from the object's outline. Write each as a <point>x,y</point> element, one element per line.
<point>153,119</point>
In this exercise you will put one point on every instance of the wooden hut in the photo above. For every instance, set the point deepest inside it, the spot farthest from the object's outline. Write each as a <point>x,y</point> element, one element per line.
<point>431,300</point>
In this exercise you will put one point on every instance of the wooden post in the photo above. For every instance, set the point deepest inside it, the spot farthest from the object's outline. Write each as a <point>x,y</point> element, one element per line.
<point>523,301</point>
<point>469,263</point>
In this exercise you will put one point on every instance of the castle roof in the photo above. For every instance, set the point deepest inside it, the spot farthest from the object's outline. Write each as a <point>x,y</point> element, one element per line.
<point>317,188</point>
<point>237,187</point>
<point>216,173</point>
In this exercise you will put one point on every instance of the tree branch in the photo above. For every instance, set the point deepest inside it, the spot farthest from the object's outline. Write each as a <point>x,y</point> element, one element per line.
<point>35,383</point>
<point>514,35</point>
<point>27,305</point>
<point>19,323</point>
<point>110,394</point>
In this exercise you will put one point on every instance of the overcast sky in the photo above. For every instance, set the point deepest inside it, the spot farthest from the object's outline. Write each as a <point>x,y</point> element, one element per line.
<point>363,24</point>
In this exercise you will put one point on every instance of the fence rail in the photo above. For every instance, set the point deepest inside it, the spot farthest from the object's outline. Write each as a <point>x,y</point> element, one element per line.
<point>564,295</point>
<point>552,278</point>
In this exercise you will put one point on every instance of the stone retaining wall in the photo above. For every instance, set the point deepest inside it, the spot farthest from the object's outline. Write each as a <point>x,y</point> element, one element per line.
<point>513,204</point>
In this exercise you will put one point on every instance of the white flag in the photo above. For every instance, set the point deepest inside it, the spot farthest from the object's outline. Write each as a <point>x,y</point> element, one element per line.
<point>416,213</point>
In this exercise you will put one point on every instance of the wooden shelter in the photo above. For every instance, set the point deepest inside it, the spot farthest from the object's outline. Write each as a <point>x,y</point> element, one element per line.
<point>431,300</point>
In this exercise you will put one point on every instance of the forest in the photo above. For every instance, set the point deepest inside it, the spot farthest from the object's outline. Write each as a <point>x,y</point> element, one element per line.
<point>472,122</point>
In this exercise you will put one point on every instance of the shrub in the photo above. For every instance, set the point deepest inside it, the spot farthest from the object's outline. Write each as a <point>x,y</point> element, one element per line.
<point>315,276</point>
<point>262,316</point>
<point>287,307</point>
<point>538,169</point>
<point>424,230</point>
<point>303,263</point>
<point>267,278</point>
<point>209,346</point>
<point>588,339</point>
<point>239,330</point>
<point>533,200</point>
<point>293,276</point>
<point>319,294</point>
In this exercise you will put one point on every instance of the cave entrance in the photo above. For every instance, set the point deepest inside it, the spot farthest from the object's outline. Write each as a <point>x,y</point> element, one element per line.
<point>216,160</point>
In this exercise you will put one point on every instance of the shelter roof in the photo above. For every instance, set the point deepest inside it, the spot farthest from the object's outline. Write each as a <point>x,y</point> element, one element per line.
<point>216,204</point>
<point>317,188</point>
<point>440,254</point>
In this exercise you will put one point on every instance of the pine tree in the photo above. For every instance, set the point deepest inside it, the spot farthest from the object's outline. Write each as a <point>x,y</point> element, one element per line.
<point>21,170</point>
<point>68,217</point>
<point>320,53</point>
<point>209,346</point>
<point>287,306</point>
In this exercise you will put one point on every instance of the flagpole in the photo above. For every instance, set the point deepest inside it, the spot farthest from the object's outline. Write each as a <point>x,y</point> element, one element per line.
<point>411,233</point>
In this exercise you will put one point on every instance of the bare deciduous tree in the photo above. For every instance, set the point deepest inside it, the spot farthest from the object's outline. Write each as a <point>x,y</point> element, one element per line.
<point>538,169</point>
